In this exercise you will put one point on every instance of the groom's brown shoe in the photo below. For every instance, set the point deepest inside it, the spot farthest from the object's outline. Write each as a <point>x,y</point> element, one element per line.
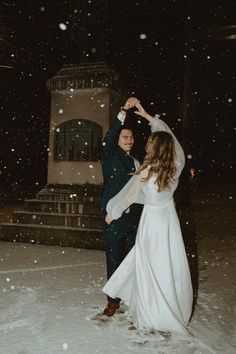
<point>111,308</point>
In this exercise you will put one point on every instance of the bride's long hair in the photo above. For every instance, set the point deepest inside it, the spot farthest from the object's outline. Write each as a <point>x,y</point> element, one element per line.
<point>160,159</point>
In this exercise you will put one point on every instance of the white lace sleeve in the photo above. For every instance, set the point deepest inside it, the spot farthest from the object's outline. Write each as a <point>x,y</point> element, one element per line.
<point>158,125</point>
<point>130,193</point>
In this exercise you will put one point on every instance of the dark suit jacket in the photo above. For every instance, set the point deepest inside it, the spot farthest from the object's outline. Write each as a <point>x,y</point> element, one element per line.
<point>116,164</point>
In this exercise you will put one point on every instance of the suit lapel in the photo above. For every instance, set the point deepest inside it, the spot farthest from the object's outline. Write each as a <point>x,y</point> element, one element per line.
<point>126,160</point>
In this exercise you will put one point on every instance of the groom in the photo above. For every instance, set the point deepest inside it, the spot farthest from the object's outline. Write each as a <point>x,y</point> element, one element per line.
<point>117,167</point>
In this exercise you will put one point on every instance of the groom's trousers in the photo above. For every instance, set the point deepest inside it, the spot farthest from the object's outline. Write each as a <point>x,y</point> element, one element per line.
<point>120,237</point>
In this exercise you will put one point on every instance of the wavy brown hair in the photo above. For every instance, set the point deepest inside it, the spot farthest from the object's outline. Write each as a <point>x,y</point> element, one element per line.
<point>160,159</point>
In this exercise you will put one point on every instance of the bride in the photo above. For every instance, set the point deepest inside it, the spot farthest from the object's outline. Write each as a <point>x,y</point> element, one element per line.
<point>154,278</point>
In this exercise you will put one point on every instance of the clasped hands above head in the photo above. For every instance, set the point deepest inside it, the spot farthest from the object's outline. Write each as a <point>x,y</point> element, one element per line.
<point>130,103</point>
<point>134,102</point>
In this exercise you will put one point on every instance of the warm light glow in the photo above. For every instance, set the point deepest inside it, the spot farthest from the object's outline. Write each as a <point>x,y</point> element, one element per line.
<point>6,66</point>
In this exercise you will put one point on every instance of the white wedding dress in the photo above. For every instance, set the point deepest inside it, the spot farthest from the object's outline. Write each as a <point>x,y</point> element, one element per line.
<point>154,278</point>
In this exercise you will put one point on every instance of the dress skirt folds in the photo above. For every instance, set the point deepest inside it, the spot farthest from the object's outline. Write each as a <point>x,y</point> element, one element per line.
<point>154,279</point>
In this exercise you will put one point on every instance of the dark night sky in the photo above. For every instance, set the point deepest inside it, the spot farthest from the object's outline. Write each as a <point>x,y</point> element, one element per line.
<point>146,41</point>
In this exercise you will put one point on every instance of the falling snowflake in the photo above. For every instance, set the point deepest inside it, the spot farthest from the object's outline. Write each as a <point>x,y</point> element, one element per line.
<point>142,36</point>
<point>62,26</point>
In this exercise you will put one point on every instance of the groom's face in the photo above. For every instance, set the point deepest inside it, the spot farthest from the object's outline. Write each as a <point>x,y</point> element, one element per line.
<point>126,140</point>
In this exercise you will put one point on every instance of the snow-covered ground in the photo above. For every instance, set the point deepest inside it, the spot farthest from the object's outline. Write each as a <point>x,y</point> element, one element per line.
<point>50,297</point>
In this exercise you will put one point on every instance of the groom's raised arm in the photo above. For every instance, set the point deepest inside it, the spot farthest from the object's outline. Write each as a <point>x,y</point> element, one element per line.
<point>109,142</point>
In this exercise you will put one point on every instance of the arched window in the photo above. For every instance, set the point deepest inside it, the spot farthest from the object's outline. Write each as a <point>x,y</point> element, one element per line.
<point>77,140</point>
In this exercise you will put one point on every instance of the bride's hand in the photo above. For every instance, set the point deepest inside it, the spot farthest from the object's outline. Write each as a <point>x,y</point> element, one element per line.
<point>108,219</point>
<point>142,113</point>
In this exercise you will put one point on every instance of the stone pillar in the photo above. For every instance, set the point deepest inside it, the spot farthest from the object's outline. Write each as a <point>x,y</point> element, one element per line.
<point>85,98</point>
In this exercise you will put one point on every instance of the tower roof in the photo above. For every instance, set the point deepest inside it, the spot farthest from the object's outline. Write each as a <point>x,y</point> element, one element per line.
<point>85,75</point>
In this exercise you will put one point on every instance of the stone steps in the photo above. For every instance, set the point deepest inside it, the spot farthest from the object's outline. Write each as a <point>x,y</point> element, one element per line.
<point>52,235</point>
<point>59,215</point>
<point>66,207</point>
<point>70,192</point>
<point>58,219</point>
<point>72,197</point>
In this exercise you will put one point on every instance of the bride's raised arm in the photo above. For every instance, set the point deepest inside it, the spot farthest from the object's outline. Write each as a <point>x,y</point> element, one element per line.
<point>159,125</point>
